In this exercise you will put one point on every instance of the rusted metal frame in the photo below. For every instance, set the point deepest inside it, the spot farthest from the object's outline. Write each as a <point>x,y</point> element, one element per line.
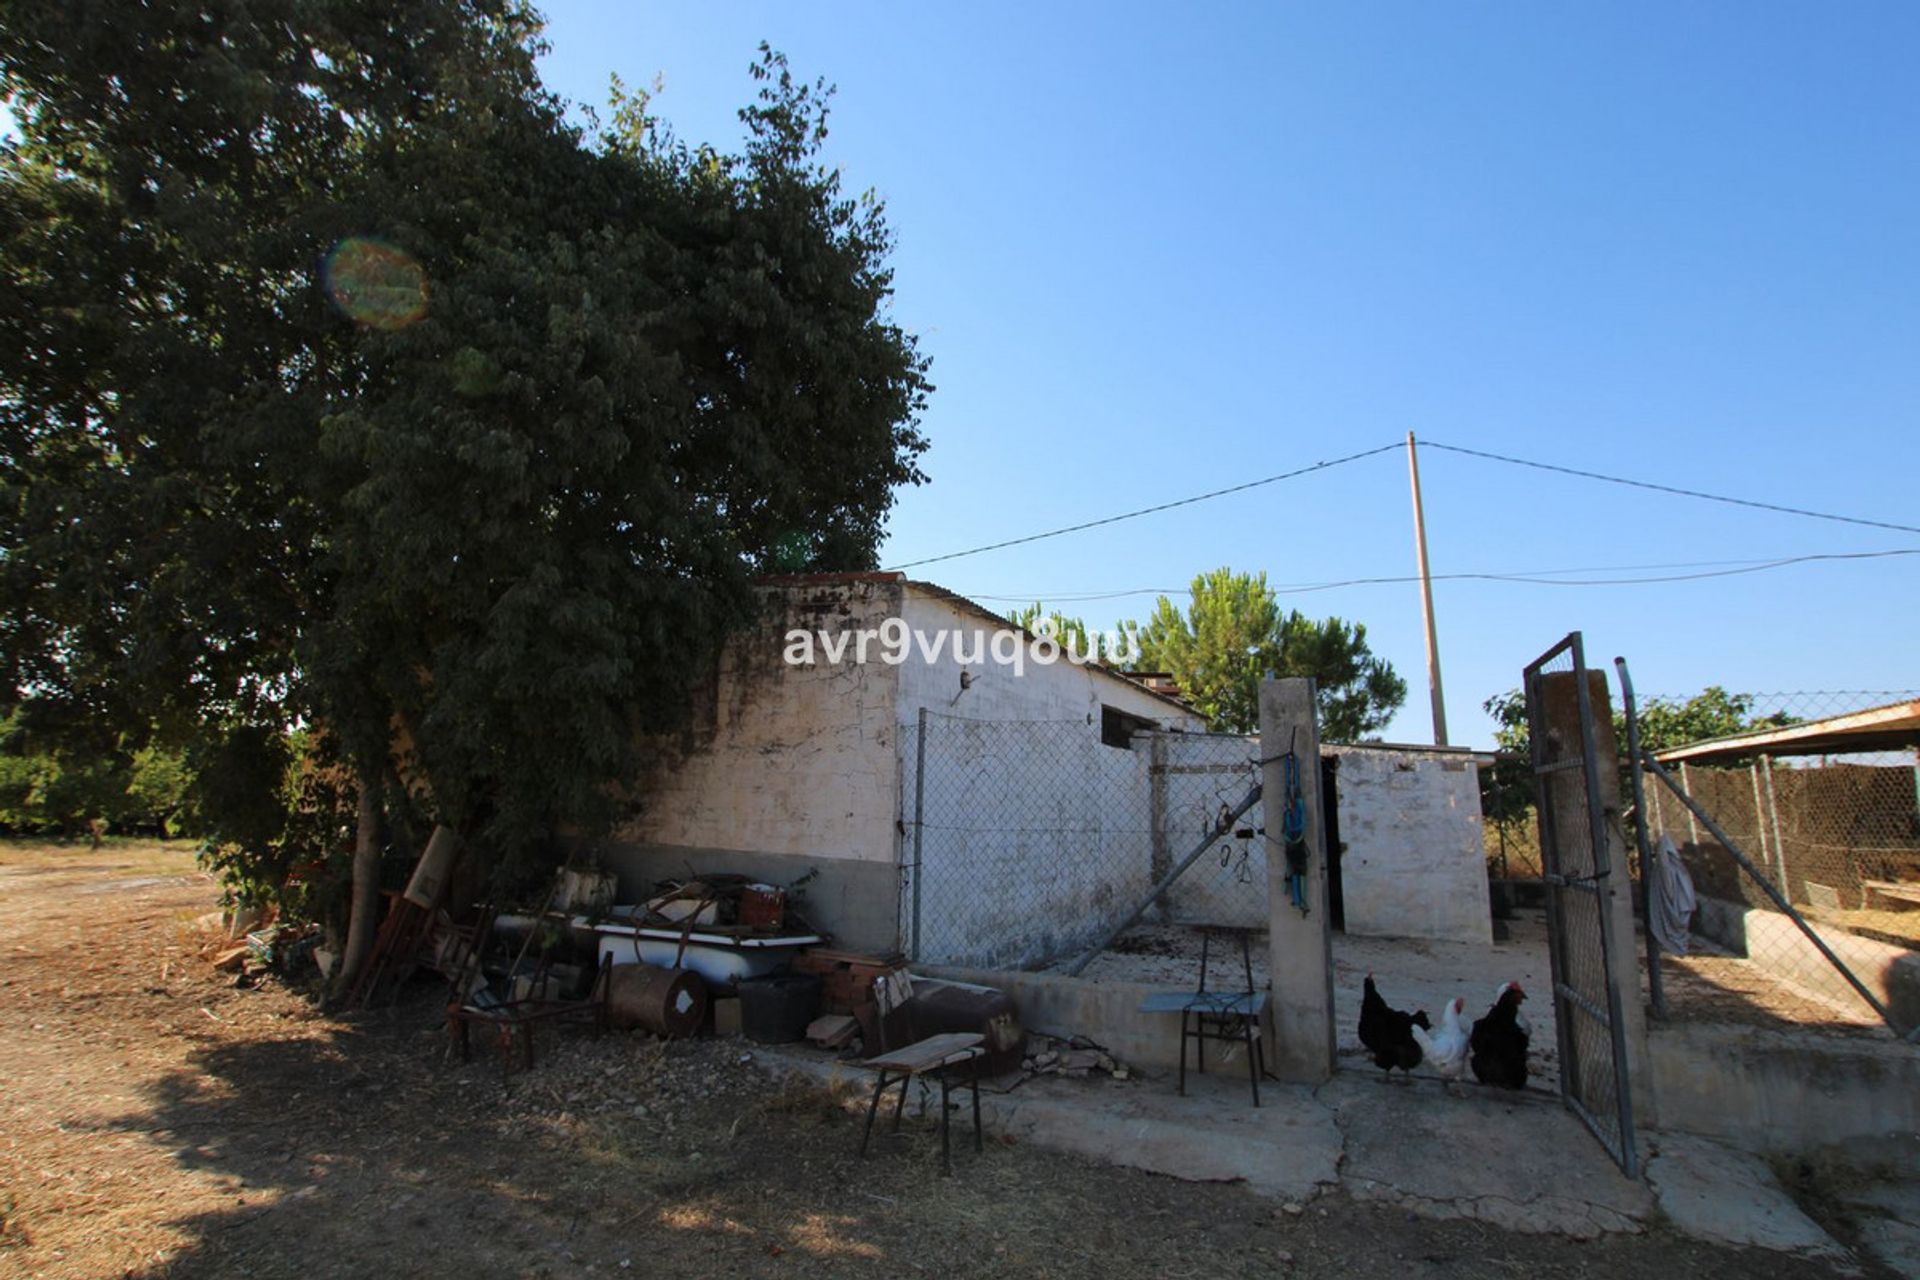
<point>1548,827</point>
<point>1602,867</point>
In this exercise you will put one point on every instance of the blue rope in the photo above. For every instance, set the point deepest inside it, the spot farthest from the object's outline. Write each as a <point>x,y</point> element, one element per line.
<point>1293,830</point>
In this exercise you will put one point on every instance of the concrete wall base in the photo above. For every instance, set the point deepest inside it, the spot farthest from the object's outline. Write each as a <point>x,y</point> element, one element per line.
<point>1782,1090</point>
<point>1107,1013</point>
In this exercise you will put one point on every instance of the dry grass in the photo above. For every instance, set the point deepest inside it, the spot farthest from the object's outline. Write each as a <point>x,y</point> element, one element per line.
<point>159,1121</point>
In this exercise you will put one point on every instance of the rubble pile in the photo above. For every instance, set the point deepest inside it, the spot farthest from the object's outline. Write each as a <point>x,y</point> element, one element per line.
<point>1075,1058</point>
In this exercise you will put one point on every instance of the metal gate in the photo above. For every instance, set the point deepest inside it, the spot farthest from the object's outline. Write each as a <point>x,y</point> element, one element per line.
<point>1575,856</point>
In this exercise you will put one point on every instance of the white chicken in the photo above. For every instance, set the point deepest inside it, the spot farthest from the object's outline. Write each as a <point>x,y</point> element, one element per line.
<point>1445,1050</point>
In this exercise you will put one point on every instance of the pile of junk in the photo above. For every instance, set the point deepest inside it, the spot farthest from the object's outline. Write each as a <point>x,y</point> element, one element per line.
<point>710,954</point>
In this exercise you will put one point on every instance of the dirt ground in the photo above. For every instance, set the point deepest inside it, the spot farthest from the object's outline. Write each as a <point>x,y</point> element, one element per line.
<point>159,1120</point>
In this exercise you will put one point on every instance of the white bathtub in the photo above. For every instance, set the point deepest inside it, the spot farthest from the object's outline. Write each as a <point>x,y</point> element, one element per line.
<point>719,958</point>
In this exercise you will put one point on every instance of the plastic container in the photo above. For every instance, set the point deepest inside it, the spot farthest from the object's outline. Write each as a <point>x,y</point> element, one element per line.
<point>777,1009</point>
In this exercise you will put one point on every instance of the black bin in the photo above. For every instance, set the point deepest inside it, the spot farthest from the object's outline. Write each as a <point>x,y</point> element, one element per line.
<point>776,1009</point>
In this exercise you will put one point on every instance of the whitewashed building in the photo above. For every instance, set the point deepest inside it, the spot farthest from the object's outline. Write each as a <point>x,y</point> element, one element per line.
<point>796,771</point>
<point>1054,794</point>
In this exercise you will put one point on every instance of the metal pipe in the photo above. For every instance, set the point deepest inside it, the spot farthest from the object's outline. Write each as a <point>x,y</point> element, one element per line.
<point>1779,900</point>
<point>919,820</point>
<point>1166,881</point>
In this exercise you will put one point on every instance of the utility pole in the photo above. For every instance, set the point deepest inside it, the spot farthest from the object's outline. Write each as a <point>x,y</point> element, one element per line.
<point>1426,600</point>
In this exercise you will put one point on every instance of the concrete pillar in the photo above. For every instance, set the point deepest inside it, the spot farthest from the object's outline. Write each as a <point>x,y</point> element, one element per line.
<point>1300,946</point>
<point>1560,710</point>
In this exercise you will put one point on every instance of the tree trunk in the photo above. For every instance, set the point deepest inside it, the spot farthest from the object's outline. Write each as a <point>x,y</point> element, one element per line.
<point>362,920</point>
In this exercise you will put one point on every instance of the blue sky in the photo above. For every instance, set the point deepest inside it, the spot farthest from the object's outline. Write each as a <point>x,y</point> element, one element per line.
<point>1157,250</point>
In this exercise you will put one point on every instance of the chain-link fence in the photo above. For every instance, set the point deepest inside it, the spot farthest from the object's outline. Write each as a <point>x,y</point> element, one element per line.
<point>1803,859</point>
<point>1031,840</point>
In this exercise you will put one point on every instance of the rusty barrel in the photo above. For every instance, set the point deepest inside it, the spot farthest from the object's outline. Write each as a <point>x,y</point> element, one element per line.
<point>668,1002</point>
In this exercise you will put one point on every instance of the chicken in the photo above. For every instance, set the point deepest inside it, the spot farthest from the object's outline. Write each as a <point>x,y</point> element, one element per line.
<point>1388,1032</point>
<point>1499,1042</point>
<point>1446,1049</point>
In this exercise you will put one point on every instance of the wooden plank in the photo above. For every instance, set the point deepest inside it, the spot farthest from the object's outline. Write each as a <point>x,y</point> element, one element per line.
<point>925,1055</point>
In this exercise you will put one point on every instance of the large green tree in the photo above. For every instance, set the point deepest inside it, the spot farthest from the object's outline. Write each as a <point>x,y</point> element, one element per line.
<point>1233,632</point>
<point>344,381</point>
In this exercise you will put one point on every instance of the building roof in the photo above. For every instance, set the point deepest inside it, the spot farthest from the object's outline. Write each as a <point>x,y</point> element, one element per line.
<point>1893,727</point>
<point>955,598</point>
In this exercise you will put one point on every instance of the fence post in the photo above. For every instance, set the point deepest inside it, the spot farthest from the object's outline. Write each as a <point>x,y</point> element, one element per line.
<point>1773,820</point>
<point>1759,816</point>
<point>1299,945</point>
<point>1693,827</point>
<point>919,822</point>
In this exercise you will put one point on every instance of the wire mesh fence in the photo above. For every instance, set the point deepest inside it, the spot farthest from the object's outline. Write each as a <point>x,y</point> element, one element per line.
<point>1031,840</point>
<point>1804,867</point>
<point>1565,712</point>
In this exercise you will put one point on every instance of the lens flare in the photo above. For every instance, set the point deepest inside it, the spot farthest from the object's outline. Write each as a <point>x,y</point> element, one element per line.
<point>375,283</point>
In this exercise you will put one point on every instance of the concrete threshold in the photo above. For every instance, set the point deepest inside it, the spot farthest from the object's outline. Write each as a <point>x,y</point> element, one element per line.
<point>1520,1162</point>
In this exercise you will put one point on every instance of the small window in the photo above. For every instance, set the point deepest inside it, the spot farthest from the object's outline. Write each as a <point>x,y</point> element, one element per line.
<point>1117,727</point>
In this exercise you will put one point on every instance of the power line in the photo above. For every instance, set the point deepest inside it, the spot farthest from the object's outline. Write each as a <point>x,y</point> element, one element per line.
<point>1432,444</point>
<point>1536,578</point>
<point>1147,511</point>
<point>1666,488</point>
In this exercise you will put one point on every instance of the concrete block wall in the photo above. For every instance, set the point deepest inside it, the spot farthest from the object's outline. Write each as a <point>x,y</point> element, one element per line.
<point>1782,1090</point>
<point>1415,864</point>
<point>784,771</point>
<point>1105,1012</point>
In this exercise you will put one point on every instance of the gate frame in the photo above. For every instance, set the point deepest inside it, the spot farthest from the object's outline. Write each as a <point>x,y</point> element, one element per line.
<point>1567,1001</point>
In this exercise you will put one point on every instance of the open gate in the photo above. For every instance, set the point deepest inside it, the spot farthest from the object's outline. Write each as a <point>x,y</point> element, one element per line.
<point>1577,864</point>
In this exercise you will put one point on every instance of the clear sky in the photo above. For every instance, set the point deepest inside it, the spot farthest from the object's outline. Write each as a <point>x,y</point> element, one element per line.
<point>1160,250</point>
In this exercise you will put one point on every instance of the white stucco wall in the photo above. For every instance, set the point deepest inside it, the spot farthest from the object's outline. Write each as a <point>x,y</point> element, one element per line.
<point>786,759</point>
<point>1415,864</point>
<point>1033,690</point>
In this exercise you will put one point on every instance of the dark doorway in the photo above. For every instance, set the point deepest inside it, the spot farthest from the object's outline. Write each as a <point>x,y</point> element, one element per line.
<point>1330,817</point>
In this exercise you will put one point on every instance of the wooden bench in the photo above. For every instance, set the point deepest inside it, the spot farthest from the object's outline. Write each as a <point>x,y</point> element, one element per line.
<point>933,1056</point>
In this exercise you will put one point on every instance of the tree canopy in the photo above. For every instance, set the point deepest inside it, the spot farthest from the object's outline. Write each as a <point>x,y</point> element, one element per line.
<point>344,381</point>
<point>1664,722</point>
<point>1233,632</point>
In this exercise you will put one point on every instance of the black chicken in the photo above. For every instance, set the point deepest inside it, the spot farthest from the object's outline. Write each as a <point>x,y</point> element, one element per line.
<point>1499,1042</point>
<point>1388,1033</point>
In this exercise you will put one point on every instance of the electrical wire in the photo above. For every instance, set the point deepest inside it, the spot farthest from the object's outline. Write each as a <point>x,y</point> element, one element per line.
<point>1147,511</point>
<point>1449,448</point>
<point>1537,578</point>
<point>1667,488</point>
